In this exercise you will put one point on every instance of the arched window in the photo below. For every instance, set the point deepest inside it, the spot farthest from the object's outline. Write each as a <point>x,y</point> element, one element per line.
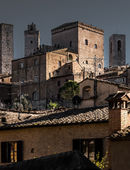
<point>111,47</point>
<point>70,57</point>
<point>119,45</point>
<point>35,96</point>
<point>86,92</point>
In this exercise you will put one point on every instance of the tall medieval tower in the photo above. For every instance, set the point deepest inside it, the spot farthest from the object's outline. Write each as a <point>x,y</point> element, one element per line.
<point>117,56</point>
<point>6,48</point>
<point>85,40</point>
<point>32,40</point>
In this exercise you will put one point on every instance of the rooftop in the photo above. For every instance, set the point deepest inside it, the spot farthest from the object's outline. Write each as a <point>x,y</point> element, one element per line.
<point>75,24</point>
<point>54,118</point>
<point>121,134</point>
<point>63,161</point>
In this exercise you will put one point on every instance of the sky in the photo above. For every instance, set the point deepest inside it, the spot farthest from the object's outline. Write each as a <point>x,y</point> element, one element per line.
<point>110,15</point>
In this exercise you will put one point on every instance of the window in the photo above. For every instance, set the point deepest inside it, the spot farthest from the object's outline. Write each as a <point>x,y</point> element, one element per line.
<point>86,42</point>
<point>49,75</point>
<point>21,65</point>
<point>111,47</point>
<point>36,78</point>
<point>99,66</point>
<point>58,83</point>
<point>119,45</point>
<point>70,43</point>
<point>11,151</point>
<point>86,92</point>
<point>35,96</point>
<point>59,63</point>
<point>90,148</point>
<point>95,46</point>
<point>70,57</point>
<point>86,61</point>
<point>35,62</point>
<point>31,42</point>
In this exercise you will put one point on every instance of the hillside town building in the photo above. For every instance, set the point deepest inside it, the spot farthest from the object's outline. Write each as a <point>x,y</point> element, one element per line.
<point>87,130</point>
<point>76,53</point>
<point>85,40</point>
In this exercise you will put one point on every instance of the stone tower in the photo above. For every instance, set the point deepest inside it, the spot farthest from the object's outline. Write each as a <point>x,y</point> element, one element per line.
<point>85,40</point>
<point>117,53</point>
<point>6,48</point>
<point>32,40</point>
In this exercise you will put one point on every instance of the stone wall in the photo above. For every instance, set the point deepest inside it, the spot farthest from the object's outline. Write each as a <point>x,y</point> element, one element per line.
<point>120,155</point>
<point>6,48</point>
<point>50,140</point>
<point>98,91</point>
<point>86,40</point>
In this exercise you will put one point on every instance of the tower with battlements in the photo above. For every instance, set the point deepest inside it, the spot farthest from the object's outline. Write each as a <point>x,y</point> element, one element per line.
<point>32,40</point>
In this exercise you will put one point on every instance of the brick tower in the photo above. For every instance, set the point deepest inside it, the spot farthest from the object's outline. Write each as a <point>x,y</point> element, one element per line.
<point>117,56</point>
<point>6,48</point>
<point>32,39</point>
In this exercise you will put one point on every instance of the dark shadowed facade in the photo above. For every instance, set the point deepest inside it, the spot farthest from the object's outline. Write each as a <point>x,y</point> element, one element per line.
<point>62,161</point>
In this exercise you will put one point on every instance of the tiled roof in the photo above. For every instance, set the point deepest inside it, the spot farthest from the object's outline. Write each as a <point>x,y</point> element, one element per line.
<point>121,134</point>
<point>60,117</point>
<point>76,23</point>
<point>62,161</point>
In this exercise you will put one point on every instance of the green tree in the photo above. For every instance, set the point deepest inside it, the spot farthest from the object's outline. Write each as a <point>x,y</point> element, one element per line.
<point>103,163</point>
<point>69,90</point>
<point>53,105</point>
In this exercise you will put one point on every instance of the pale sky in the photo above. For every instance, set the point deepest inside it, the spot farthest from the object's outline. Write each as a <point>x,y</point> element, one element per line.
<point>110,15</point>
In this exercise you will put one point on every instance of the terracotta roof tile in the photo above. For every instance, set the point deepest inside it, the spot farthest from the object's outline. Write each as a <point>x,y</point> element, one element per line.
<point>121,134</point>
<point>59,117</point>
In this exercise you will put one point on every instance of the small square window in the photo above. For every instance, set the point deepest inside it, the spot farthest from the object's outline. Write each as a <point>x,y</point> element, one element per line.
<point>86,42</point>
<point>21,65</point>
<point>59,63</point>
<point>58,83</point>
<point>95,46</point>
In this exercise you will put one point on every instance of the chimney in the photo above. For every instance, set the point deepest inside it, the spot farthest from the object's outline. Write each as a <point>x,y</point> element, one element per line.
<point>119,117</point>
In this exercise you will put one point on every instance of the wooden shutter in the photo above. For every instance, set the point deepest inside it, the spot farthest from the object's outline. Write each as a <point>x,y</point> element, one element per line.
<point>5,152</point>
<point>20,151</point>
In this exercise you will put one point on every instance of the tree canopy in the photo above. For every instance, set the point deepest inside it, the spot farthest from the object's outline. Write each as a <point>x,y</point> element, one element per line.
<point>69,90</point>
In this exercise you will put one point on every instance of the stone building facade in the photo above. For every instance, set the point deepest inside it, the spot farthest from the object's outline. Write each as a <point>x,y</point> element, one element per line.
<point>6,48</point>
<point>86,40</point>
<point>32,40</point>
<point>37,75</point>
<point>93,92</point>
<point>117,74</point>
<point>117,50</point>
<point>84,130</point>
<point>5,94</point>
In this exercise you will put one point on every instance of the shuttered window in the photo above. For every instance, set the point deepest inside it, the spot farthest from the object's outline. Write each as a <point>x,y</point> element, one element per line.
<point>11,151</point>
